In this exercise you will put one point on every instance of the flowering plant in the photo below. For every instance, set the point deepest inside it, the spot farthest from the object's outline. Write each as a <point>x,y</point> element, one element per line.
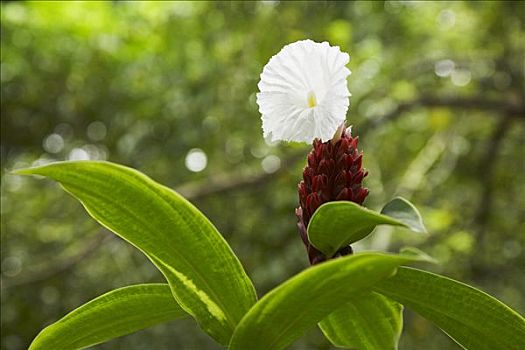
<point>356,298</point>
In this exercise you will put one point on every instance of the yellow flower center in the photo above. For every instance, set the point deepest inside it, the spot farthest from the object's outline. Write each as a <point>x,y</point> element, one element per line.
<point>311,100</point>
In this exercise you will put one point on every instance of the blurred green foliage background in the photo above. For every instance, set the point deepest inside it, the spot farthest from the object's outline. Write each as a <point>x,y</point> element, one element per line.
<point>169,88</point>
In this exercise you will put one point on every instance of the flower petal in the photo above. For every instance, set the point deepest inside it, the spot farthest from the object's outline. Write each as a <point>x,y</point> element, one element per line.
<point>303,92</point>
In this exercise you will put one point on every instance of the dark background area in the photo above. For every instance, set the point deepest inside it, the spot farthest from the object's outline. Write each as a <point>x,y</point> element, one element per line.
<point>169,88</point>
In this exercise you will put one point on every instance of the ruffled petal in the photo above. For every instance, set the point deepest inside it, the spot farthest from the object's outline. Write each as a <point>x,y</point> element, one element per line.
<point>303,92</point>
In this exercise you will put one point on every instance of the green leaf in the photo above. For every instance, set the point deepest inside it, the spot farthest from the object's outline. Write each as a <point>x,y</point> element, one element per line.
<point>298,304</point>
<point>474,319</point>
<point>114,314</point>
<point>406,213</point>
<point>337,224</point>
<point>418,253</point>
<point>205,276</point>
<point>370,321</point>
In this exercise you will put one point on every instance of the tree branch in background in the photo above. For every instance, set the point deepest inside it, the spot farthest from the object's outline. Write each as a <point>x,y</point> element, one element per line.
<point>480,269</point>
<point>232,182</point>
<point>514,108</point>
<point>486,167</point>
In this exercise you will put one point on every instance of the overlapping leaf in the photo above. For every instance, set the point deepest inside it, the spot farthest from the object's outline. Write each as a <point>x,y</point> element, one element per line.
<point>205,276</point>
<point>114,314</point>
<point>370,321</point>
<point>337,224</point>
<point>298,304</point>
<point>474,319</point>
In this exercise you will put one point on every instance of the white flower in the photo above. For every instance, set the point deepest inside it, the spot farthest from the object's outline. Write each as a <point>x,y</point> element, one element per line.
<point>304,93</point>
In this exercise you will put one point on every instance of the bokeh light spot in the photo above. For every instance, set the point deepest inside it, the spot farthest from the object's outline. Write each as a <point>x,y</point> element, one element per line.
<point>11,266</point>
<point>461,77</point>
<point>96,131</point>
<point>49,295</point>
<point>271,164</point>
<point>78,154</point>
<point>444,68</point>
<point>196,160</point>
<point>54,143</point>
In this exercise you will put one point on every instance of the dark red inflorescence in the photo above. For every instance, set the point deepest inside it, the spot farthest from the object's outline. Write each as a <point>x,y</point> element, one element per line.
<point>334,173</point>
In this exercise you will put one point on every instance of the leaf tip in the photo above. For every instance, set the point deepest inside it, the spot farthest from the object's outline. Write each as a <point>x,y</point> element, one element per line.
<point>418,254</point>
<point>39,170</point>
<point>22,171</point>
<point>406,213</point>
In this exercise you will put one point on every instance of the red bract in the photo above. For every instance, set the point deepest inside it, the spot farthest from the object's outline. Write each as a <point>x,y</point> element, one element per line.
<point>334,173</point>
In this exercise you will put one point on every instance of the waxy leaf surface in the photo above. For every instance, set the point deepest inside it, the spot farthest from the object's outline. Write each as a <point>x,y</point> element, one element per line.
<point>335,225</point>
<point>205,276</point>
<point>114,314</point>
<point>370,321</point>
<point>289,310</point>
<point>474,319</point>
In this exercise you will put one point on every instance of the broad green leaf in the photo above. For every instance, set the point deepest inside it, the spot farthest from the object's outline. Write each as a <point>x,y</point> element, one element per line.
<point>205,276</point>
<point>114,314</point>
<point>286,312</point>
<point>370,321</point>
<point>474,319</point>
<point>337,224</point>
